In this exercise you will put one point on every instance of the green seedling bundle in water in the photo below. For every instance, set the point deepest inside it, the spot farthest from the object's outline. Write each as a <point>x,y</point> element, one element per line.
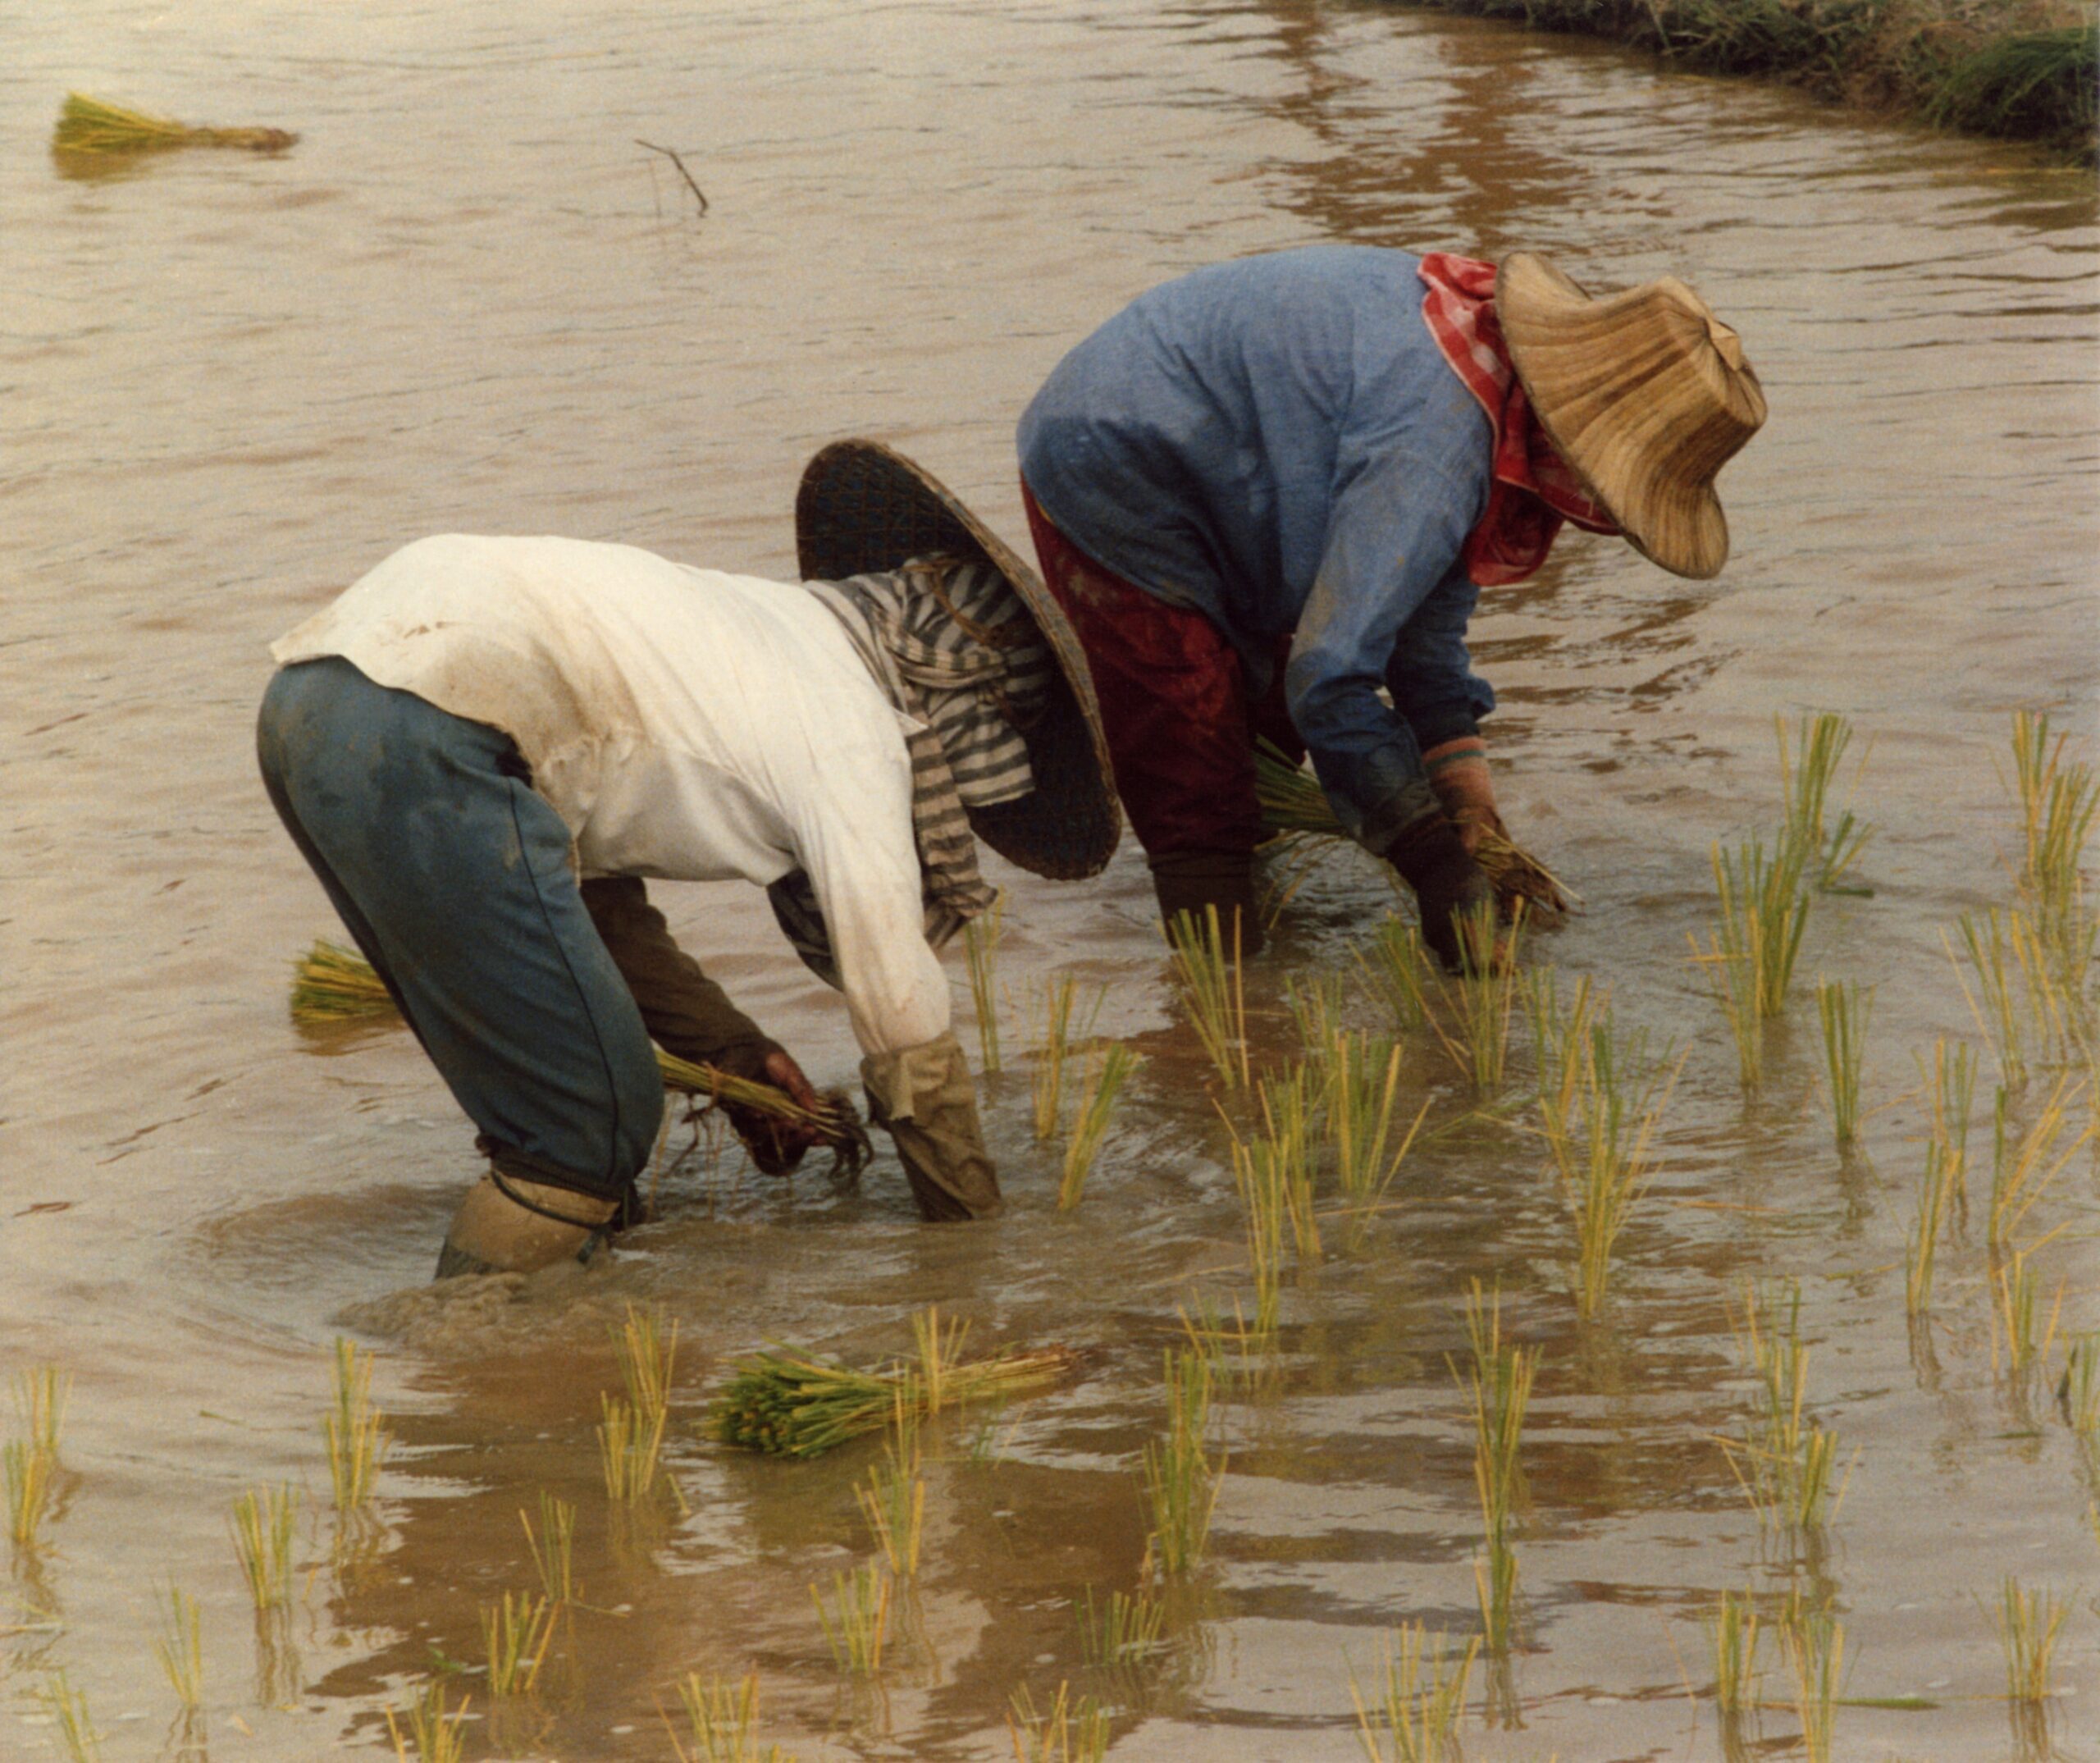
<point>516,1631</point>
<point>1732,1632</point>
<point>1499,1380</point>
<point>1414,1717</point>
<point>1785,1463</point>
<point>263,1522</point>
<point>724,1719</point>
<point>1827,849</point>
<point>1181,1480</point>
<point>1207,969</point>
<point>553,1548</point>
<point>1120,1630</point>
<point>1066,1732</point>
<point>1107,1068</point>
<point>856,1622</point>
<point>180,1648</point>
<point>1844,1010</point>
<point>428,1730</point>
<point>354,1432</point>
<point>980,958</point>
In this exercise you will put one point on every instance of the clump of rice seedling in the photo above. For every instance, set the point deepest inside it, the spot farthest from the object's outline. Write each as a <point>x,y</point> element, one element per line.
<point>1361,1087</point>
<point>29,1474</point>
<point>437,1732</point>
<point>1935,1198</point>
<point>1559,1037</point>
<point>1315,1008</point>
<point>893,1498</point>
<point>1785,1463</point>
<point>41,1395</point>
<point>515,1635</point>
<point>262,1520</point>
<point>1500,1380</point>
<point>330,983</point>
<point>647,1352</point>
<point>857,1624</point>
<point>1992,1002</point>
<point>2057,806</point>
<point>1053,1052</point>
<point>67,1708</point>
<point>1258,1173</point>
<point>2078,1394</point>
<point>1395,968</point>
<point>553,1548</point>
<point>1245,1339</point>
<point>1282,1150</point>
<point>1813,1644</point>
<point>1481,999</point>
<point>980,957</point>
<point>2024,1164</point>
<point>1106,1070</point>
<point>1751,953</point>
<point>2016,1318</point>
<point>724,1721</point>
<point>1181,1480</point>
<point>795,1404</point>
<point>1951,1084</point>
<point>1845,1011</point>
<point>1120,1630</point>
<point>1206,969</point>
<point>1734,1629</point>
<point>2029,1624</point>
<point>180,1647</point>
<point>1416,1716</point>
<point>631,1435</point>
<point>355,1432</point>
<point>1066,1732</point>
<point>94,126</point>
<point>1827,849</point>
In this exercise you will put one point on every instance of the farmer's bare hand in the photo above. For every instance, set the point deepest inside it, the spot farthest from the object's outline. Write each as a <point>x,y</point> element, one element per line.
<point>777,1146</point>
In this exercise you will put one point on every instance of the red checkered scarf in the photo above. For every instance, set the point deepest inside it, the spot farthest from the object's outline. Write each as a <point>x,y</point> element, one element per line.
<point>1533,489</point>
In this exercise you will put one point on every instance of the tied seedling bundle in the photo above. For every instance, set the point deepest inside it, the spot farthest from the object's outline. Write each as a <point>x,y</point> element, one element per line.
<point>1293,805</point>
<point>332,984</point>
<point>792,1403</point>
<point>90,125</point>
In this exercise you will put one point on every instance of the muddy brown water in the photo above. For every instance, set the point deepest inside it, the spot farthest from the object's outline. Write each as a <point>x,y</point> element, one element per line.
<point>468,301</point>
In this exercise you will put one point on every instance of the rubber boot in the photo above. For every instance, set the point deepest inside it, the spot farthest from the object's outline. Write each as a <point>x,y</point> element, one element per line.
<point>1447,886</point>
<point>925,1096</point>
<point>516,1226</point>
<point>1193,881</point>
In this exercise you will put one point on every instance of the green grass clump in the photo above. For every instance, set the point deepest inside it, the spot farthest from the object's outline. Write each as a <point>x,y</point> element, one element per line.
<point>263,1521</point>
<point>92,126</point>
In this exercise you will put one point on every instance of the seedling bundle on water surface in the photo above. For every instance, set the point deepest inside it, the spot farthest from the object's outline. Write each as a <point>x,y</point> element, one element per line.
<point>92,126</point>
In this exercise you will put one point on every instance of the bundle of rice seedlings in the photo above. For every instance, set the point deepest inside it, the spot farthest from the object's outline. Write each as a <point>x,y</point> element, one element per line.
<point>792,1404</point>
<point>331,984</point>
<point>1293,804</point>
<point>92,126</point>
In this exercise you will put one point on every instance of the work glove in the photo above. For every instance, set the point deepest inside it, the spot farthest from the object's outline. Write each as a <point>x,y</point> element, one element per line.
<point>925,1096</point>
<point>1465,788</point>
<point>1449,887</point>
<point>1191,881</point>
<point>507,1224</point>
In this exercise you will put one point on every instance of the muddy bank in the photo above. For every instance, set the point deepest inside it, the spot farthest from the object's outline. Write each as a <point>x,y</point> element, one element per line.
<point>2027,69</point>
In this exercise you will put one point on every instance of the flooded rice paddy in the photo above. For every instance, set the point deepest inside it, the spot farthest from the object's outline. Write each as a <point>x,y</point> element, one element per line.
<point>467,300</point>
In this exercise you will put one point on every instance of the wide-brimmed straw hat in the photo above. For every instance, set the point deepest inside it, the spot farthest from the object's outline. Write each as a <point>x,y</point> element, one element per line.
<point>1646,394</point>
<point>863,508</point>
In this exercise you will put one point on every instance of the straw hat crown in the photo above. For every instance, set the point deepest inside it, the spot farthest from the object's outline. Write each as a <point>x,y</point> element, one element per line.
<point>862,507</point>
<point>1646,394</point>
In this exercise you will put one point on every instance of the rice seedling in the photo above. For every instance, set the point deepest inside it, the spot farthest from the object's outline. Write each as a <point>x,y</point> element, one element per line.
<point>354,1431</point>
<point>1124,1628</point>
<point>437,1733</point>
<point>856,1624</point>
<point>41,1396</point>
<point>1181,1481</point>
<point>1415,1717</point>
<point>1614,1090</point>
<point>1315,1001</point>
<point>1240,1347</point>
<point>1107,1068</point>
<point>180,1647</point>
<point>2057,806</point>
<point>515,1635</point>
<point>1261,1180</point>
<point>1827,849</point>
<point>1283,1149</point>
<point>647,1352</point>
<point>2078,1394</point>
<point>980,959</point>
<point>893,1499</point>
<point>630,1447</point>
<point>29,1474</point>
<point>2017,1318</point>
<point>262,1520</point>
<point>2030,1624</point>
<point>723,1717</point>
<point>94,126</point>
<point>1785,1463</point>
<point>1066,1732</point>
<point>1053,1052</point>
<point>67,1710</point>
<point>1395,969</point>
<point>1500,1380</point>
<point>1763,909</point>
<point>1481,999</point>
<point>1951,1084</point>
<point>2024,1164</point>
<point>1935,1199</point>
<point>795,1404</point>
<point>1845,1011</point>
<point>553,1548</point>
<point>1732,977</point>
<point>1559,1037</point>
<point>1813,1644</point>
<point>1992,1001</point>
<point>1734,1630</point>
<point>1360,1089</point>
<point>1213,991</point>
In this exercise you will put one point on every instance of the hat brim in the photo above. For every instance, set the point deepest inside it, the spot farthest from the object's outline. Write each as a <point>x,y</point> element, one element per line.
<point>1545,319</point>
<point>863,508</point>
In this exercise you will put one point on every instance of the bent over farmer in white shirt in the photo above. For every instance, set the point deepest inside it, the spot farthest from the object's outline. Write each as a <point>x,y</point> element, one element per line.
<point>486,745</point>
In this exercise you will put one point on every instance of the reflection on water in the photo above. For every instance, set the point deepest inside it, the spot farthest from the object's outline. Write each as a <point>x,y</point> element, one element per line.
<point>466,301</point>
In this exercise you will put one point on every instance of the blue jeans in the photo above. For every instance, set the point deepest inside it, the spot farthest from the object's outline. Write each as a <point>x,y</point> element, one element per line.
<point>454,878</point>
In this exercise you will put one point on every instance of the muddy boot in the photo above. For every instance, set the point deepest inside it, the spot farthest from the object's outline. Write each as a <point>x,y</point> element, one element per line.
<point>925,1096</point>
<point>1192,881</point>
<point>509,1226</point>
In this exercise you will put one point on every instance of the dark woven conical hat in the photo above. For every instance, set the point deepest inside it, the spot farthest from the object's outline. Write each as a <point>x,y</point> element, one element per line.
<point>863,507</point>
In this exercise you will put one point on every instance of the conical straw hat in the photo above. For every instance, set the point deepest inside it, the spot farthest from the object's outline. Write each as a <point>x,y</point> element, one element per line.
<point>1646,394</point>
<point>863,507</point>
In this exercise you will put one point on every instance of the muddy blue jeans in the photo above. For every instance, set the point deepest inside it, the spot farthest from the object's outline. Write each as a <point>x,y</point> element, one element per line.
<point>453,876</point>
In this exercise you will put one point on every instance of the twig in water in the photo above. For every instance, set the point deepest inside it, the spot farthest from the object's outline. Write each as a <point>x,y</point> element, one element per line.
<point>681,164</point>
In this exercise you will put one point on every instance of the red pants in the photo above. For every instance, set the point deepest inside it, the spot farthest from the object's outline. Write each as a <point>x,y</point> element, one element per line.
<point>1175,704</point>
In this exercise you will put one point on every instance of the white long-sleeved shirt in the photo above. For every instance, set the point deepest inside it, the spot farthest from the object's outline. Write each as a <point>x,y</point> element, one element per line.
<point>683,722</point>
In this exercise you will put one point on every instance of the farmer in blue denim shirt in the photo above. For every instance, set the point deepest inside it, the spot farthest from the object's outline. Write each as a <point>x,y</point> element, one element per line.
<point>1268,489</point>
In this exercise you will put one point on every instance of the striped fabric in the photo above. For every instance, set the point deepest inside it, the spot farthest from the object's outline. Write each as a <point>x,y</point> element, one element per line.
<point>955,651</point>
<point>1534,489</point>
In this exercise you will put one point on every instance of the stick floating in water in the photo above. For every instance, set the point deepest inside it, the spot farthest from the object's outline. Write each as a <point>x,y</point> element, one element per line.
<point>90,125</point>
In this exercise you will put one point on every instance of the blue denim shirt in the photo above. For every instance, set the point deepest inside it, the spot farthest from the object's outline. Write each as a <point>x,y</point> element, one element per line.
<point>1279,444</point>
